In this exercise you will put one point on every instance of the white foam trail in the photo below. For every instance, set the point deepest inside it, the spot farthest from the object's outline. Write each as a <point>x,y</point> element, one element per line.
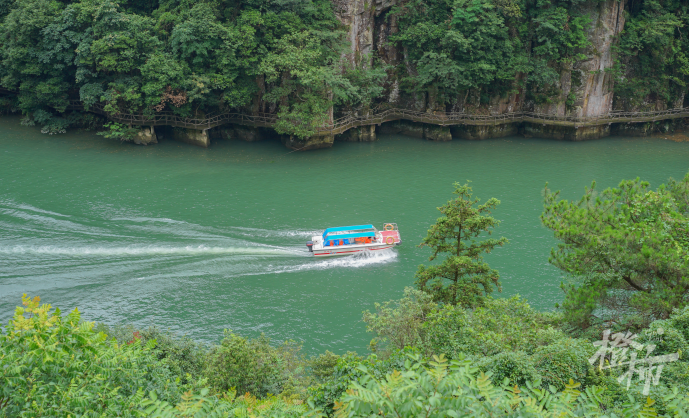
<point>149,250</point>
<point>358,260</point>
<point>146,219</point>
<point>362,259</point>
<point>11,204</point>
<point>38,219</point>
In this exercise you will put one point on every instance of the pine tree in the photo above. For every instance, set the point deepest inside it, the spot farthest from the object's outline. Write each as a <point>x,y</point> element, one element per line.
<point>627,250</point>
<point>463,278</point>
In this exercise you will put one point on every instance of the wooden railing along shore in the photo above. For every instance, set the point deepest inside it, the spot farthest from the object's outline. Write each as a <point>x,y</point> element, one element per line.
<point>352,121</point>
<point>377,117</point>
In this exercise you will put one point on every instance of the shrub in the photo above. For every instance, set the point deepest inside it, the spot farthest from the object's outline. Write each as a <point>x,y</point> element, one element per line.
<point>184,356</point>
<point>398,324</point>
<point>348,369</point>
<point>323,366</point>
<point>57,366</point>
<point>500,325</point>
<point>562,360</point>
<point>665,337</point>
<point>680,321</point>
<point>228,406</point>
<point>120,131</point>
<point>457,389</point>
<point>516,366</point>
<point>254,366</point>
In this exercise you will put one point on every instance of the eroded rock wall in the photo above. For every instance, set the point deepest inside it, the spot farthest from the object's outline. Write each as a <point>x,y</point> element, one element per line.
<point>359,134</point>
<point>477,132</point>
<point>306,144</point>
<point>145,136</point>
<point>358,17</point>
<point>586,87</point>
<point>242,133</point>
<point>595,94</point>
<point>589,80</point>
<point>567,133</point>
<point>196,137</point>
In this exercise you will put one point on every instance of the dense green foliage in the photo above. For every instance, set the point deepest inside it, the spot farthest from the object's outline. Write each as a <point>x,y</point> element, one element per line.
<point>507,339</point>
<point>439,389</point>
<point>628,248</point>
<point>654,54</point>
<point>190,57</point>
<point>493,348</point>
<point>462,277</point>
<point>52,365</point>
<point>256,367</point>
<point>183,356</point>
<point>399,324</point>
<point>286,58</point>
<point>475,50</point>
<point>229,406</point>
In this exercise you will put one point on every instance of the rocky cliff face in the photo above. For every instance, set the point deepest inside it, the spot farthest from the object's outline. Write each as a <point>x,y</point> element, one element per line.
<point>586,87</point>
<point>586,84</point>
<point>358,17</point>
<point>588,80</point>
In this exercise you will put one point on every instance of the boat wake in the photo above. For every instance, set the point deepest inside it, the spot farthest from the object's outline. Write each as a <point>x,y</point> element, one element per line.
<point>362,259</point>
<point>38,243</point>
<point>188,250</point>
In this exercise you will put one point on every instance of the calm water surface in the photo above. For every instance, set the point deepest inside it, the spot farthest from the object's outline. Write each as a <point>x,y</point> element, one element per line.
<point>201,240</point>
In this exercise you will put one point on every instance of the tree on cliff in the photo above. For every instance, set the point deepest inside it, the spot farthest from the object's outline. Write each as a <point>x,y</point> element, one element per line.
<point>627,248</point>
<point>463,278</point>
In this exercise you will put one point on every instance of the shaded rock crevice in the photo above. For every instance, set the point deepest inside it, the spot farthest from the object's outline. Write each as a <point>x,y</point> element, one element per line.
<point>145,136</point>
<point>306,144</point>
<point>192,136</point>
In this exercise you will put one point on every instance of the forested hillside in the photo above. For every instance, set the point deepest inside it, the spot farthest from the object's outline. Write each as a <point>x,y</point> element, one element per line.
<point>308,61</point>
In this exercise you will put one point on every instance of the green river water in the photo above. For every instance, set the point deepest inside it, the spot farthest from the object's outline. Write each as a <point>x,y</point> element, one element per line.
<point>200,240</point>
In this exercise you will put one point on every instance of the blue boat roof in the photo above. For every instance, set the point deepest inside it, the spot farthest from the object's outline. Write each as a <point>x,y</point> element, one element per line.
<point>355,235</point>
<point>346,228</point>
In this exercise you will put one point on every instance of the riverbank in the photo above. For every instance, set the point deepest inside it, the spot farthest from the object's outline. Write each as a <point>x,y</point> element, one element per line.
<point>147,130</point>
<point>439,126</point>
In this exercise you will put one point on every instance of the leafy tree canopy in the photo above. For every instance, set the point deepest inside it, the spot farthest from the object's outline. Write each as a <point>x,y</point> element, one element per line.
<point>54,366</point>
<point>628,249</point>
<point>653,63</point>
<point>285,57</point>
<point>190,57</point>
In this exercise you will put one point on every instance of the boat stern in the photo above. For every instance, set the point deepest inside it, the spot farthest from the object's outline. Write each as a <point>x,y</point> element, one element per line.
<point>315,244</point>
<point>390,234</point>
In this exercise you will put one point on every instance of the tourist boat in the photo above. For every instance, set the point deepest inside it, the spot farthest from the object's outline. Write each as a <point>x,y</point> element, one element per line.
<point>346,240</point>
